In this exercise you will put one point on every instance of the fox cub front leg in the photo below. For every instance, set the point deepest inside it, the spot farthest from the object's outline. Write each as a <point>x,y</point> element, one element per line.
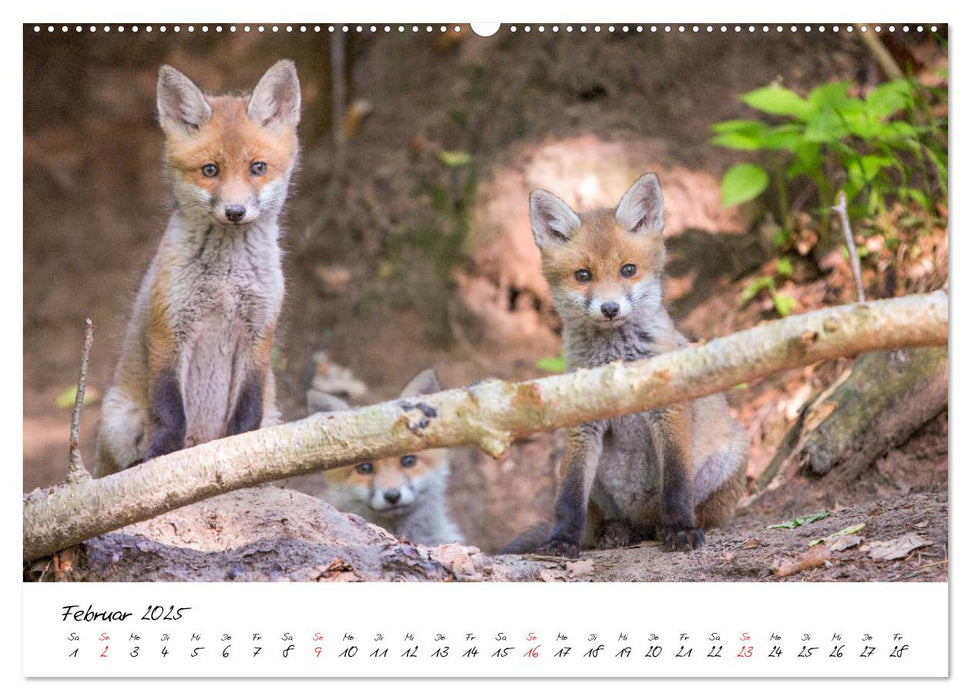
<point>577,471</point>
<point>251,401</point>
<point>670,430</point>
<point>166,415</point>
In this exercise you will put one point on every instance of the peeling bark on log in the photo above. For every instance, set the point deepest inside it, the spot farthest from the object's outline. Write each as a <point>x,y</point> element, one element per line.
<point>880,402</point>
<point>488,415</point>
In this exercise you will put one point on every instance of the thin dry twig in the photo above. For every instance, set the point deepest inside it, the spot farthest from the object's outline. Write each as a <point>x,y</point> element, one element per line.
<point>76,470</point>
<point>918,572</point>
<point>880,53</point>
<point>338,85</point>
<point>840,210</point>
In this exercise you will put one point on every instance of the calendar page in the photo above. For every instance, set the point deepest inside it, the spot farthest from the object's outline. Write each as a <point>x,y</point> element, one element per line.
<point>590,349</point>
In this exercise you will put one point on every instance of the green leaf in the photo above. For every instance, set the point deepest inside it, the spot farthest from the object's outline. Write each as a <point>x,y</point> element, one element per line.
<point>809,159</point>
<point>786,137</point>
<point>781,238</point>
<point>738,141</point>
<point>850,530</point>
<point>739,134</point>
<point>830,95</point>
<point>833,113</point>
<point>734,125</point>
<point>898,131</point>
<point>801,520</point>
<point>67,397</point>
<point>743,182</point>
<point>454,159</point>
<point>775,99</point>
<point>553,365</point>
<point>887,99</point>
<point>868,167</point>
<point>785,267</point>
<point>757,286</point>
<point>826,126</point>
<point>921,198</point>
<point>784,304</point>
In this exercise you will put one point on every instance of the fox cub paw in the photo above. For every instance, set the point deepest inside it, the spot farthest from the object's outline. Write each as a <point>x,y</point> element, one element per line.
<point>681,539</point>
<point>613,534</point>
<point>559,548</point>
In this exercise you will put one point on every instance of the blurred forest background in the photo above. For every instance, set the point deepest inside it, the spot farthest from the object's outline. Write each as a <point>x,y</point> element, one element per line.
<point>408,241</point>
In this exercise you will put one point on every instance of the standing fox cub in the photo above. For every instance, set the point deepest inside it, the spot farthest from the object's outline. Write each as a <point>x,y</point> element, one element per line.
<point>673,470</point>
<point>195,364</point>
<point>404,495</point>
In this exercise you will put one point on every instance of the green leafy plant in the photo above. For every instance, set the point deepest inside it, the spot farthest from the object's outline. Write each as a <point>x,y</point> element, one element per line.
<point>886,145</point>
<point>783,303</point>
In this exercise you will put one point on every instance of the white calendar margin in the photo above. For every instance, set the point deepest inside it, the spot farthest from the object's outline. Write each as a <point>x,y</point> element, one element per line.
<point>916,611</point>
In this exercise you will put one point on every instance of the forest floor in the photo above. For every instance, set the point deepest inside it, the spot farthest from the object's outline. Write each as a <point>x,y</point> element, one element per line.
<point>357,287</point>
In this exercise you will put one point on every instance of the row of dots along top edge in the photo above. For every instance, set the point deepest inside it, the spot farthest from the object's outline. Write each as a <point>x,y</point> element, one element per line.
<point>514,28</point>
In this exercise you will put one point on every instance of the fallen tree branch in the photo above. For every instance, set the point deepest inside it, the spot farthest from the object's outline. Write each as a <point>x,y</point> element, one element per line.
<point>488,415</point>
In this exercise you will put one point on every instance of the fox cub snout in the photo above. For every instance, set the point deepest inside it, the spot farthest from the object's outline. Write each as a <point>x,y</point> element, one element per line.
<point>195,363</point>
<point>671,471</point>
<point>405,495</point>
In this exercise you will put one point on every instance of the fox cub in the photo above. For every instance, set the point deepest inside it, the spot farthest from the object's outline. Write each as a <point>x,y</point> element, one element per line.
<point>671,471</point>
<point>195,363</point>
<point>404,495</point>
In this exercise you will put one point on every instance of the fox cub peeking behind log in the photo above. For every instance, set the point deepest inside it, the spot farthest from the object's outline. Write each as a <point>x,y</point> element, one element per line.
<point>404,495</point>
<point>195,364</point>
<point>671,471</point>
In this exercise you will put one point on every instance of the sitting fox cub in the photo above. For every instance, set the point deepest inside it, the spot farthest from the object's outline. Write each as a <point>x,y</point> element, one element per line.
<point>195,364</point>
<point>404,495</point>
<point>673,470</point>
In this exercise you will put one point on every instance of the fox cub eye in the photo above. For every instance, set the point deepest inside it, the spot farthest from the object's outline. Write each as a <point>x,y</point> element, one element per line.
<point>583,275</point>
<point>628,270</point>
<point>210,170</point>
<point>408,461</point>
<point>258,168</point>
<point>366,468</point>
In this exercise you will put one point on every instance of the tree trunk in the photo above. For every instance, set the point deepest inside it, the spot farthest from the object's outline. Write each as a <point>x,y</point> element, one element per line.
<point>488,415</point>
<point>875,406</point>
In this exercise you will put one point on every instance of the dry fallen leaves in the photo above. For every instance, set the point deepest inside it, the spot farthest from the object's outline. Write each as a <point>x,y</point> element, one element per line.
<point>816,556</point>
<point>898,548</point>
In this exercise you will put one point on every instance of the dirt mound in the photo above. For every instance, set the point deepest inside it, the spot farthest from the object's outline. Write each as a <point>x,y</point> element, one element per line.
<point>273,534</point>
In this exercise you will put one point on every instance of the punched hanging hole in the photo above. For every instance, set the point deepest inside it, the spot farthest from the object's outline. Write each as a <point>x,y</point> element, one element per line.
<point>485,28</point>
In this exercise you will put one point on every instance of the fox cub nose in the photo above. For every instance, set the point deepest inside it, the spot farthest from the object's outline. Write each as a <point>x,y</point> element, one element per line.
<point>235,212</point>
<point>392,496</point>
<point>609,308</point>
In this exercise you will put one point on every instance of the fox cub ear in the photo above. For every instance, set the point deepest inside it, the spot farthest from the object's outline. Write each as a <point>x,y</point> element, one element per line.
<point>276,98</point>
<point>425,383</point>
<point>551,219</point>
<point>642,207</point>
<point>182,106</point>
